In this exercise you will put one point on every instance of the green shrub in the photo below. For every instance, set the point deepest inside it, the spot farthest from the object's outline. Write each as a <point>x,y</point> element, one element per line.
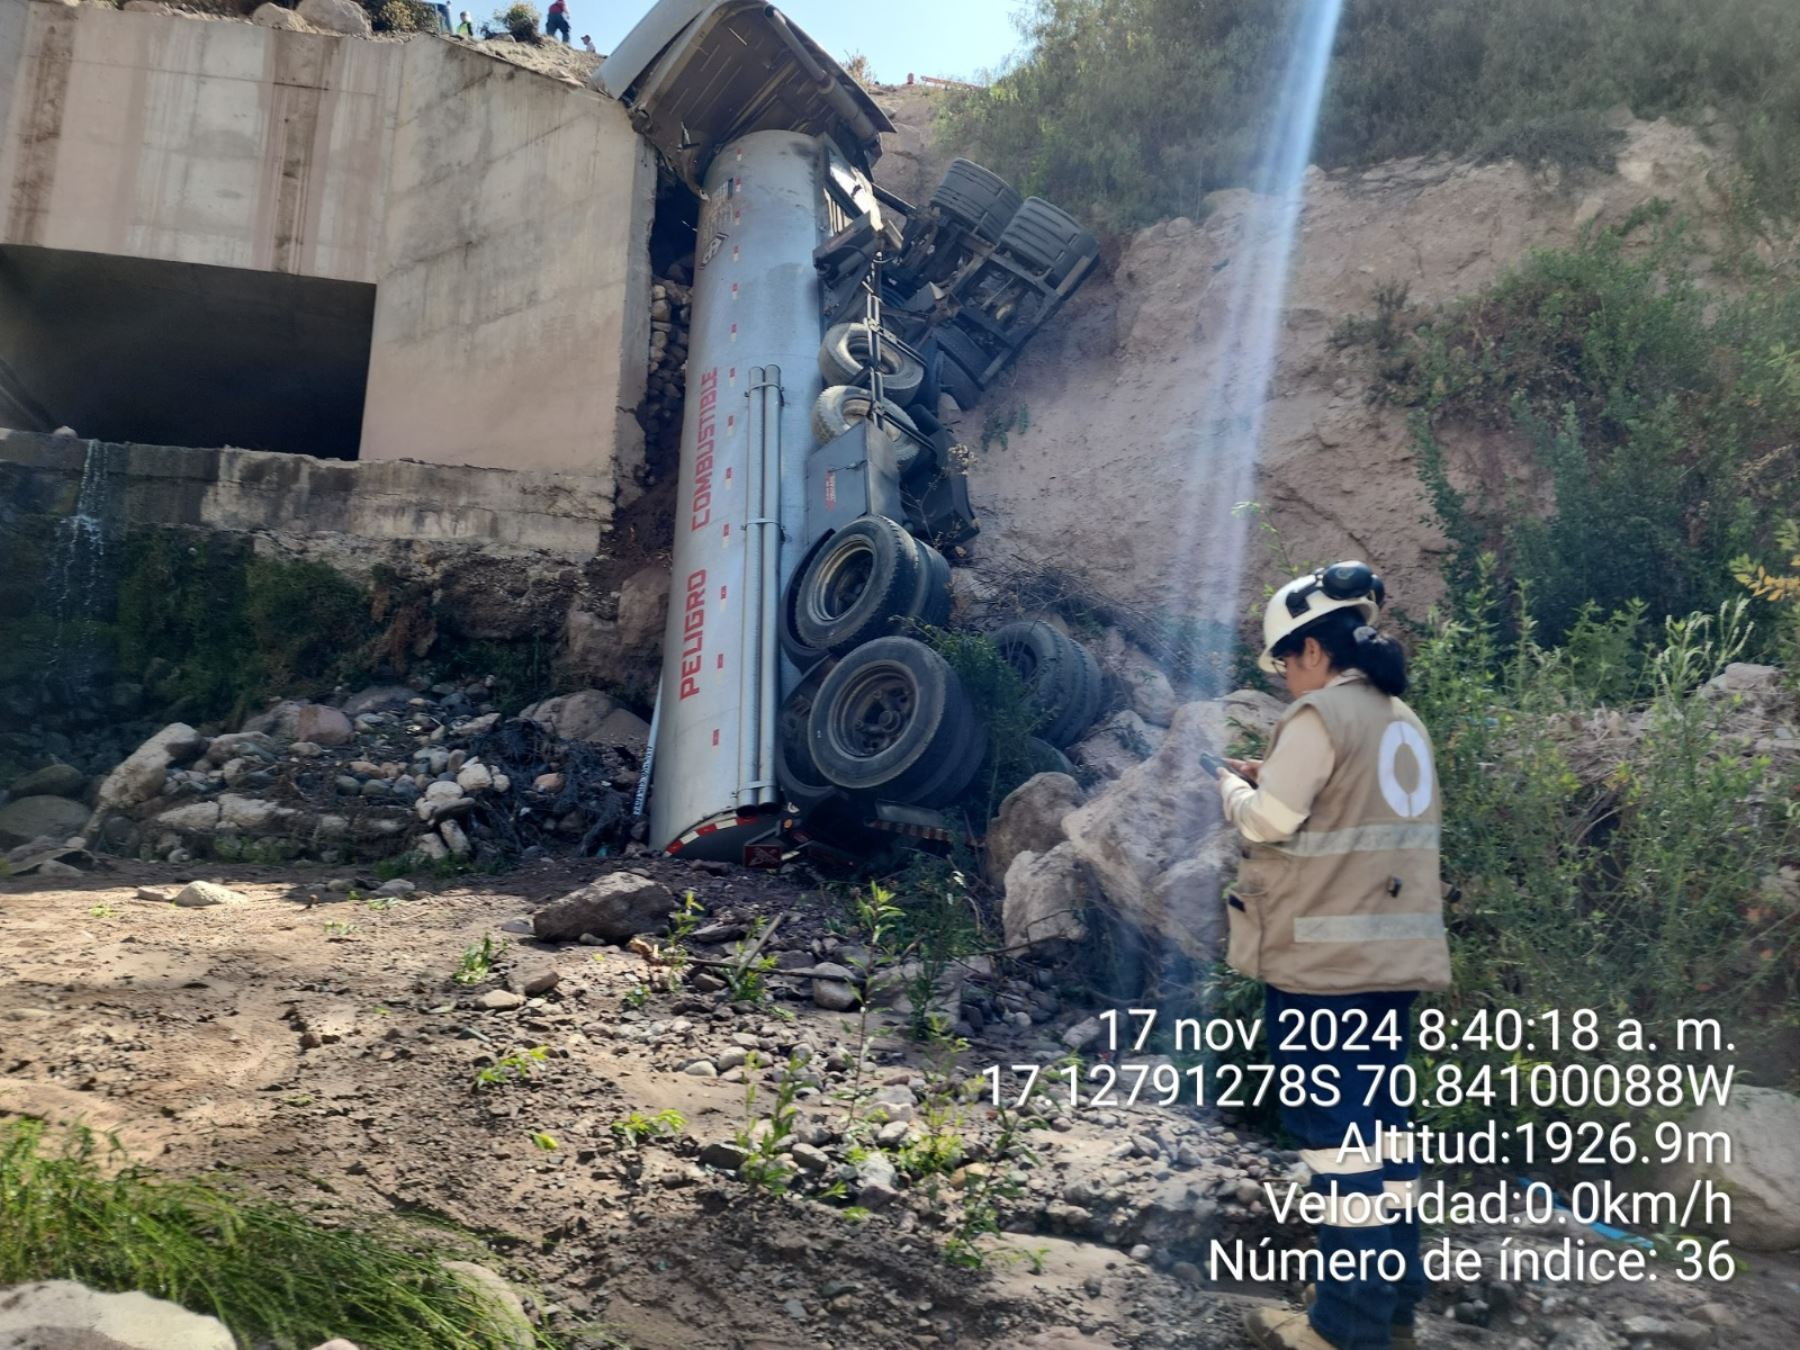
<point>1652,420</point>
<point>1630,878</point>
<point>401,16</point>
<point>521,20</point>
<point>233,628</point>
<point>1136,109</point>
<point>1003,705</point>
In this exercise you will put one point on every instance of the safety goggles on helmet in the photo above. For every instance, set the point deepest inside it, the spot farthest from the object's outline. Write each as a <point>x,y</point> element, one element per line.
<point>1340,581</point>
<point>1345,585</point>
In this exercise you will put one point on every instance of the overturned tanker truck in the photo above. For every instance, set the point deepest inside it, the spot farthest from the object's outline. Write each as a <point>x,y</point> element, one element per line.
<point>819,501</point>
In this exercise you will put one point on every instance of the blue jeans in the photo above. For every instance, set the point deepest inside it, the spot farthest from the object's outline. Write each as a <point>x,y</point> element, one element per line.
<point>1354,1314</point>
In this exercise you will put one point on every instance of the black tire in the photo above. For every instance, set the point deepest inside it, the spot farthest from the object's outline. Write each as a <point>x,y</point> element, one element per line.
<point>931,601</point>
<point>1061,677</point>
<point>1046,758</point>
<point>842,406</point>
<point>1087,694</point>
<point>954,380</point>
<point>964,351</point>
<point>865,577</point>
<point>1047,239</point>
<point>799,778</point>
<point>978,199</point>
<point>846,353</point>
<point>892,720</point>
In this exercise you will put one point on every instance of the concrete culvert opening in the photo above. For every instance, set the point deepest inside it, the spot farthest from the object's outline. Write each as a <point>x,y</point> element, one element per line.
<point>169,353</point>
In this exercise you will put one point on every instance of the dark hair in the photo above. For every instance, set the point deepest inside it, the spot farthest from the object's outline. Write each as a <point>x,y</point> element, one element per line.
<point>1350,644</point>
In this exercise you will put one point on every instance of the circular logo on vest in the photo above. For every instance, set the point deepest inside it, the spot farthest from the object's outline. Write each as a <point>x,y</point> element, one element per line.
<point>1398,736</point>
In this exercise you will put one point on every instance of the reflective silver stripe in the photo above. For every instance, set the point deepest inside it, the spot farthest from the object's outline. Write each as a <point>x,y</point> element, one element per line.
<point>1362,839</point>
<point>1352,1161</point>
<point>1368,928</point>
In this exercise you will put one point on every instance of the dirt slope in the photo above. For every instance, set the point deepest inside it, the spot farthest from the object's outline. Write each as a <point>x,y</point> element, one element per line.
<point>1114,392</point>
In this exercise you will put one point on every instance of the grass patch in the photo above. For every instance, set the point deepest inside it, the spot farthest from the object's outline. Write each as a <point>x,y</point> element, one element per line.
<point>271,1275</point>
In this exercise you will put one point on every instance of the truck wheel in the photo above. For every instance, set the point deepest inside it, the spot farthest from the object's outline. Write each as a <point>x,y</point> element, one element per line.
<point>892,719</point>
<point>848,350</point>
<point>799,778</point>
<point>931,601</point>
<point>865,577</point>
<point>953,380</point>
<point>1047,238</point>
<point>842,406</point>
<point>1044,757</point>
<point>1062,679</point>
<point>964,351</point>
<point>976,198</point>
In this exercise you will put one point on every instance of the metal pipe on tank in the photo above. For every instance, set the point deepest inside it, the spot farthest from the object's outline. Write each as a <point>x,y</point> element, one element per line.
<point>751,672</point>
<point>769,544</point>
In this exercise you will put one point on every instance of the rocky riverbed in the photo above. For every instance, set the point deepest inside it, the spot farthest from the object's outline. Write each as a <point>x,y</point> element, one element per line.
<point>312,1033</point>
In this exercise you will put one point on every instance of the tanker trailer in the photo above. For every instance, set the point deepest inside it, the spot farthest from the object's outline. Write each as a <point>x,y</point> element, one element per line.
<point>815,481</point>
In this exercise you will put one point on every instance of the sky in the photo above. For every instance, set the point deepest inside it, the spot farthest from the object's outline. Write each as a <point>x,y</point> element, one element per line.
<point>948,38</point>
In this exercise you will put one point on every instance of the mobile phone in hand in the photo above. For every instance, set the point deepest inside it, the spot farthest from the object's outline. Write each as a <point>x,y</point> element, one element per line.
<point>1211,763</point>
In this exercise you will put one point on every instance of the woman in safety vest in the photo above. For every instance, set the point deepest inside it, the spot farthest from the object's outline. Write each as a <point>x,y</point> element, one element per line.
<point>1338,909</point>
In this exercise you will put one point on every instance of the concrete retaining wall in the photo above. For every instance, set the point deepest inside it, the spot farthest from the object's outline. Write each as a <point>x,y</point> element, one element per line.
<point>251,491</point>
<point>502,216</point>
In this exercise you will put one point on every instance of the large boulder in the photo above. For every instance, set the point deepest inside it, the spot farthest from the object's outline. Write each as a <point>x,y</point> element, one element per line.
<point>58,1312</point>
<point>1160,813</point>
<point>1045,898</point>
<point>272,15</point>
<point>506,1316</point>
<point>336,16</point>
<point>31,818</point>
<point>615,907</point>
<point>53,780</point>
<point>1116,743</point>
<point>145,770</point>
<point>623,651</point>
<point>621,726</point>
<point>1031,819</point>
<point>323,725</point>
<point>1760,1170</point>
<point>1254,711</point>
<point>574,717</point>
<point>1151,695</point>
<point>377,697</point>
<point>643,610</point>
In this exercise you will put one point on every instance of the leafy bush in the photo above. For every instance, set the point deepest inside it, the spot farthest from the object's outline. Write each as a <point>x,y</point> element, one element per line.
<point>1005,708</point>
<point>232,627</point>
<point>401,16</point>
<point>521,20</point>
<point>1136,109</point>
<point>1627,872</point>
<point>1653,422</point>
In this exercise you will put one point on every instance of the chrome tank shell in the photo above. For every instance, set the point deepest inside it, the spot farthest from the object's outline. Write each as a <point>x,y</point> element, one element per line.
<point>755,305</point>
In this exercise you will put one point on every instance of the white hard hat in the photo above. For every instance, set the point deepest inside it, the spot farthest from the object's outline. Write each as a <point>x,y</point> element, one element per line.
<point>1345,585</point>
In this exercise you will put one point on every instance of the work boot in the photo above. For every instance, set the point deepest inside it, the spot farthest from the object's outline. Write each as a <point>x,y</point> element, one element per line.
<point>1283,1329</point>
<point>1400,1335</point>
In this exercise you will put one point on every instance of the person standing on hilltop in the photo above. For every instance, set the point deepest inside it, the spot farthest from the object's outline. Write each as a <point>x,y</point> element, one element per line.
<point>1338,910</point>
<point>557,23</point>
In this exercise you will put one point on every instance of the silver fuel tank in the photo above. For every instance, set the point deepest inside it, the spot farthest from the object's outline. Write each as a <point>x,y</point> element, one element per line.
<point>752,379</point>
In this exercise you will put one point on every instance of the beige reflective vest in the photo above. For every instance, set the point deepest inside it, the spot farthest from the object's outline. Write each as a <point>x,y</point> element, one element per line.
<point>1353,903</point>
